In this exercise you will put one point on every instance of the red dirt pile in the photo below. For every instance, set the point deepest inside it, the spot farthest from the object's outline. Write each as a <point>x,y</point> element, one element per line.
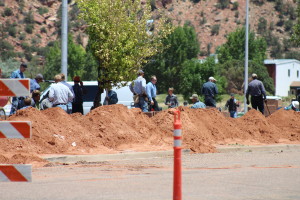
<point>110,129</point>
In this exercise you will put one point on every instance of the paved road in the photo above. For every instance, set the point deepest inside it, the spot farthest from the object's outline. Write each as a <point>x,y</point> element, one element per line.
<point>224,176</point>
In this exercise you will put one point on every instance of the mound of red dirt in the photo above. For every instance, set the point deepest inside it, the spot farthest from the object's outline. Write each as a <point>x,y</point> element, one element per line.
<point>110,129</point>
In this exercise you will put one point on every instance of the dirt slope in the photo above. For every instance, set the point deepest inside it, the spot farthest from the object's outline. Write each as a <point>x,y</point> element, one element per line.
<point>111,129</point>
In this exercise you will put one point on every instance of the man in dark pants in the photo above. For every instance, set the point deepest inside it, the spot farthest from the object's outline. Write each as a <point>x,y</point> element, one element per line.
<point>210,90</point>
<point>77,104</point>
<point>258,94</point>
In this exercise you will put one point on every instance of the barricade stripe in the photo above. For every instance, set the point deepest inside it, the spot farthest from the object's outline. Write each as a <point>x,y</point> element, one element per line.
<point>3,178</point>
<point>12,173</point>
<point>177,143</point>
<point>18,87</point>
<point>177,137</point>
<point>2,135</point>
<point>23,128</point>
<point>15,129</point>
<point>5,91</point>
<point>177,132</point>
<point>25,83</point>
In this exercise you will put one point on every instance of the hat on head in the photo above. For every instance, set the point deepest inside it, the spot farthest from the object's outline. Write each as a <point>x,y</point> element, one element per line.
<point>140,72</point>
<point>39,76</point>
<point>194,96</point>
<point>76,78</point>
<point>212,79</point>
<point>232,94</point>
<point>23,65</point>
<point>254,75</point>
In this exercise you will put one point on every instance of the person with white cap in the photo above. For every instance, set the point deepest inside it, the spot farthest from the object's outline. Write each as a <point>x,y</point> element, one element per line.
<point>210,90</point>
<point>34,83</point>
<point>138,88</point>
<point>196,102</point>
<point>258,94</point>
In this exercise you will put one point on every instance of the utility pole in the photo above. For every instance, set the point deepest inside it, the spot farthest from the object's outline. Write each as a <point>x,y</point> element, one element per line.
<point>246,57</point>
<point>64,39</point>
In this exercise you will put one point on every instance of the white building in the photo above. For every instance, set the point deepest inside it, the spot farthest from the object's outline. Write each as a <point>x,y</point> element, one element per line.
<point>285,74</point>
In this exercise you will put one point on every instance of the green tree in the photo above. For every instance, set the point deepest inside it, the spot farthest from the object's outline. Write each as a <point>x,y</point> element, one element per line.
<point>233,70</point>
<point>79,62</point>
<point>119,38</point>
<point>234,48</point>
<point>182,45</point>
<point>296,28</point>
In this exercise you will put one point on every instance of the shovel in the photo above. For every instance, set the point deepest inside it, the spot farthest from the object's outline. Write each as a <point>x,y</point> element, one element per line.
<point>267,107</point>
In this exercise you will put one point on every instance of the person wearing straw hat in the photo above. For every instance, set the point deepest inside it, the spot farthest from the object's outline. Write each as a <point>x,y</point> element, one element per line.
<point>196,102</point>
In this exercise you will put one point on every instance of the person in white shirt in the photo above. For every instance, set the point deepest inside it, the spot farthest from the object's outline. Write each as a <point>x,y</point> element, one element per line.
<point>60,94</point>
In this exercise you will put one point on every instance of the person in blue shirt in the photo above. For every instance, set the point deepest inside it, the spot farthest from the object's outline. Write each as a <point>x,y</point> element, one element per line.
<point>210,90</point>
<point>196,102</point>
<point>112,98</point>
<point>138,88</point>
<point>17,101</point>
<point>151,93</point>
<point>34,83</point>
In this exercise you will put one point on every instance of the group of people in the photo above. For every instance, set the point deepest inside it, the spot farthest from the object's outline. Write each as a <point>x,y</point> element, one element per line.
<point>145,94</point>
<point>61,94</point>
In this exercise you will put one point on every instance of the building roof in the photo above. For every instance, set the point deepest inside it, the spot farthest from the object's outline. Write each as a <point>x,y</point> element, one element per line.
<point>280,61</point>
<point>295,84</point>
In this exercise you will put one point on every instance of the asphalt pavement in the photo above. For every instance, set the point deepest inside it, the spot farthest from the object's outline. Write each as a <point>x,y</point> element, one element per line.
<point>270,174</point>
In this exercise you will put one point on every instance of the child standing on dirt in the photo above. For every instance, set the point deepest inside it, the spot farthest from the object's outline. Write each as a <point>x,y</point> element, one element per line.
<point>232,105</point>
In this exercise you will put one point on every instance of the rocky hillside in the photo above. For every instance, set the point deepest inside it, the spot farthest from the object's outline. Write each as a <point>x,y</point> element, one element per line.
<point>27,26</point>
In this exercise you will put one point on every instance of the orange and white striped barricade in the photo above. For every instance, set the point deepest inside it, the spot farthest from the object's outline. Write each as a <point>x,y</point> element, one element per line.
<point>14,129</point>
<point>14,87</point>
<point>15,173</point>
<point>177,189</point>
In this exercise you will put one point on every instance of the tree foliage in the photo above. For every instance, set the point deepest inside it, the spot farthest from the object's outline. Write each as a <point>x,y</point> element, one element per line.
<point>182,46</point>
<point>296,28</point>
<point>234,48</point>
<point>79,62</point>
<point>233,70</point>
<point>119,38</point>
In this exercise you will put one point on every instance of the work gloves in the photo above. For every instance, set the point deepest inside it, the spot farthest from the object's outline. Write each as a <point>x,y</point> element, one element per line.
<point>248,101</point>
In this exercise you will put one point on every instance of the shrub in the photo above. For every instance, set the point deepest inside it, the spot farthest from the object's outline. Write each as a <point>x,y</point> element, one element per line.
<point>2,3</point>
<point>288,25</point>
<point>279,5</point>
<point>222,4</point>
<point>12,31</point>
<point>43,30</point>
<point>215,29</point>
<point>203,21</point>
<point>262,25</point>
<point>236,14</point>
<point>272,26</point>
<point>42,10</point>
<point>235,5</point>
<point>22,36</point>
<point>8,12</point>
<point>29,28</point>
<point>29,18</point>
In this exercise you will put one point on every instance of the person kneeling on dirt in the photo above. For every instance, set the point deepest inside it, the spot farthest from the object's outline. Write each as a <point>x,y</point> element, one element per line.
<point>232,105</point>
<point>27,103</point>
<point>196,102</point>
<point>35,99</point>
<point>112,98</point>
